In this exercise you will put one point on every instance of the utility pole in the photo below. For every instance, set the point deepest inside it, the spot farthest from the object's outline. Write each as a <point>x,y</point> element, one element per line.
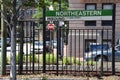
<point>3,41</point>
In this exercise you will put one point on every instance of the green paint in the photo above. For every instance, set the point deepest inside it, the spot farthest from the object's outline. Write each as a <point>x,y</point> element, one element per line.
<point>79,13</point>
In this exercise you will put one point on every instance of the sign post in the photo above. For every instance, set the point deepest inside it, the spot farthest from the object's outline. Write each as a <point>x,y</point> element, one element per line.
<point>51,27</point>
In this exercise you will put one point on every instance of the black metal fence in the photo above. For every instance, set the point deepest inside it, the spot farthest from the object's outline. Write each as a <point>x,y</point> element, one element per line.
<point>81,51</point>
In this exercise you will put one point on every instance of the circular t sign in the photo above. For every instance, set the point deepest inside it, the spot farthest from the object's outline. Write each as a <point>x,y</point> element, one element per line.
<point>51,26</point>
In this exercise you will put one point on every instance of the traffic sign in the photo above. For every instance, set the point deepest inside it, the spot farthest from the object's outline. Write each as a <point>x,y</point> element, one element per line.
<point>51,26</point>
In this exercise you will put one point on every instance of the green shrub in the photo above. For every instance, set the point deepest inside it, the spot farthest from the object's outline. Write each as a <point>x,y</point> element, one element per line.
<point>68,60</point>
<point>7,60</point>
<point>91,63</point>
<point>17,59</point>
<point>29,58</point>
<point>50,58</point>
<point>71,60</point>
<point>78,62</point>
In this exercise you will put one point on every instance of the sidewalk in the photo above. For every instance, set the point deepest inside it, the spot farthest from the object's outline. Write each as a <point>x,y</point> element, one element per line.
<point>46,77</point>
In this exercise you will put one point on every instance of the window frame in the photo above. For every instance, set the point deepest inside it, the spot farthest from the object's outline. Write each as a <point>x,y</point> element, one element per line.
<point>90,4</point>
<point>106,21</point>
<point>106,4</point>
<point>87,21</point>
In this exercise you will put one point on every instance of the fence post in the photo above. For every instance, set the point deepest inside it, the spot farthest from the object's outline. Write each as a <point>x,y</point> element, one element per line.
<point>102,53</point>
<point>21,47</point>
<point>33,26</point>
<point>44,39</point>
<point>113,38</point>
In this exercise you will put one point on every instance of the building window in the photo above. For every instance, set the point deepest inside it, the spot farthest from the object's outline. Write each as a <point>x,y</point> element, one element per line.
<point>106,22</point>
<point>90,23</point>
<point>107,6</point>
<point>90,6</point>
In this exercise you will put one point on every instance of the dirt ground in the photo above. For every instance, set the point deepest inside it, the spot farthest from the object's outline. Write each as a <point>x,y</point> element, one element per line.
<point>59,77</point>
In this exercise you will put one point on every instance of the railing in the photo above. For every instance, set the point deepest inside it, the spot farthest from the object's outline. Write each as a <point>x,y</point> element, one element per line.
<point>81,52</point>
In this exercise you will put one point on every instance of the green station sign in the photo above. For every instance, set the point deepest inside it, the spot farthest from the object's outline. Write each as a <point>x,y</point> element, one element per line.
<point>70,13</point>
<point>79,14</point>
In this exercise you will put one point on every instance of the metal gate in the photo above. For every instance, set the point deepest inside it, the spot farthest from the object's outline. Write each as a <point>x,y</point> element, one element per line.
<point>75,52</point>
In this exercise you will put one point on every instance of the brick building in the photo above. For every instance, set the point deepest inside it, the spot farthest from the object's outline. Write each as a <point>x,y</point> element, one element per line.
<point>92,24</point>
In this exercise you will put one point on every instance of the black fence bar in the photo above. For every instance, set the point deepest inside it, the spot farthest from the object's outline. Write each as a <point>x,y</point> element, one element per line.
<point>44,40</point>
<point>87,32</point>
<point>39,58</point>
<point>96,31</point>
<point>75,51</point>
<point>21,23</point>
<point>79,51</point>
<point>102,53</point>
<point>57,68</point>
<point>71,50</point>
<point>31,40</point>
<point>113,38</point>
<point>83,32</point>
<point>33,60</point>
<point>26,38</point>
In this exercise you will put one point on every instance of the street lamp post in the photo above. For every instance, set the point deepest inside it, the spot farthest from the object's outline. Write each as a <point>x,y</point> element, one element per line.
<point>51,8</point>
<point>59,34</point>
<point>60,39</point>
<point>61,23</point>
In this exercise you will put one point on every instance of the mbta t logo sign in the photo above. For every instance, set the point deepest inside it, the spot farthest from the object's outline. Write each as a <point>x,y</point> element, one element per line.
<point>51,26</point>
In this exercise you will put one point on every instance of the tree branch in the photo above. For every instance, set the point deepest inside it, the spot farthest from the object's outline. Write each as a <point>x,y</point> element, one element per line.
<point>5,19</point>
